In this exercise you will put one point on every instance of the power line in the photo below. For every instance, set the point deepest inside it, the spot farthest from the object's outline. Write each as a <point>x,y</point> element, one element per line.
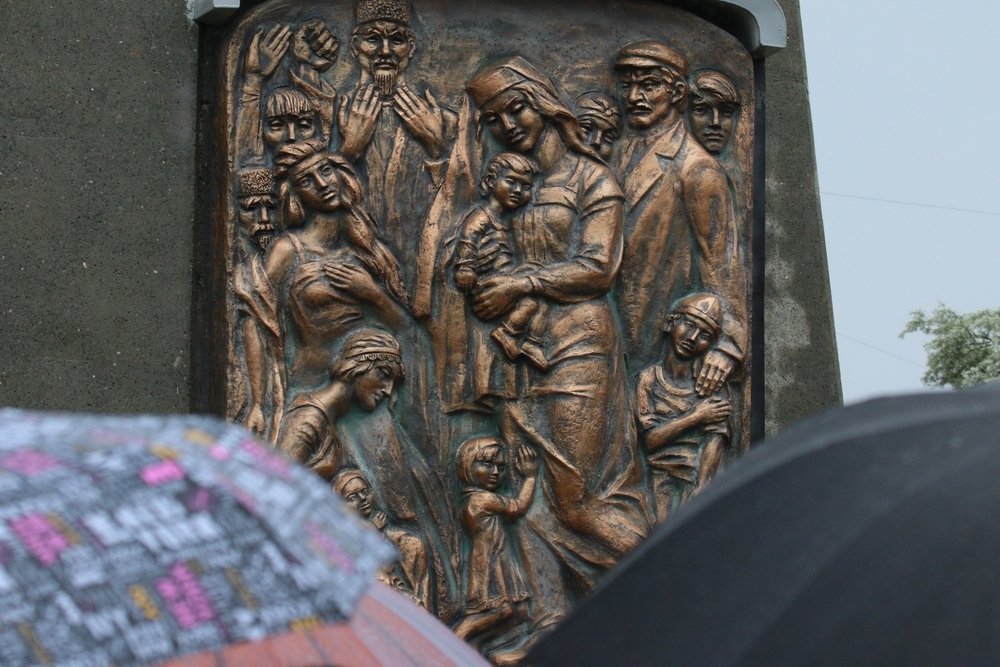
<point>910,203</point>
<point>878,349</point>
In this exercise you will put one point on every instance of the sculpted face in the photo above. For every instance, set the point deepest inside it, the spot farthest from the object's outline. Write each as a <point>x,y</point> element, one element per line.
<point>358,495</point>
<point>383,49</point>
<point>257,215</point>
<point>289,128</point>
<point>690,337</point>
<point>318,185</point>
<point>712,121</point>
<point>599,134</point>
<point>373,387</point>
<point>513,121</point>
<point>647,95</point>
<point>487,471</point>
<point>512,190</point>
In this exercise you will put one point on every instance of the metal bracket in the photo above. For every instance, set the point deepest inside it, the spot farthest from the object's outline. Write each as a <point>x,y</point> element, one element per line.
<point>769,32</point>
<point>211,12</point>
<point>760,24</point>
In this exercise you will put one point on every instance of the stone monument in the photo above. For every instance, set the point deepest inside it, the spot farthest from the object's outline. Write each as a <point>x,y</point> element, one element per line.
<point>424,247</point>
<point>501,298</point>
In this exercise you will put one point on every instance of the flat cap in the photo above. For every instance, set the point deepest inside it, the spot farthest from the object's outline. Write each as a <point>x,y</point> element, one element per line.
<point>650,53</point>
<point>704,307</point>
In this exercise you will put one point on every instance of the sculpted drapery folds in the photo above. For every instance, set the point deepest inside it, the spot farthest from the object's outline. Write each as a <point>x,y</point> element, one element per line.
<point>514,335</point>
<point>574,414</point>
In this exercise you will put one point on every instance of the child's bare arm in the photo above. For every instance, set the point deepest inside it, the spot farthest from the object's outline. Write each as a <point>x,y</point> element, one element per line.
<point>527,465</point>
<point>709,411</point>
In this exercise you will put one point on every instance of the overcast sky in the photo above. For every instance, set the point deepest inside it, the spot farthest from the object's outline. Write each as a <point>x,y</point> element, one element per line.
<point>906,108</point>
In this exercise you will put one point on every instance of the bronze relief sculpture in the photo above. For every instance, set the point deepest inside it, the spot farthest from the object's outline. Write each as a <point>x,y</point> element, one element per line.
<point>488,274</point>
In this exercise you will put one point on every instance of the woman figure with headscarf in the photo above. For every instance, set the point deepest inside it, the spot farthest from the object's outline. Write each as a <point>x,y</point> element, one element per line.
<point>568,243</point>
<point>326,275</point>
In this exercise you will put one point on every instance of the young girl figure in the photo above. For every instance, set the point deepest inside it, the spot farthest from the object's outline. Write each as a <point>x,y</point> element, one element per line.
<point>495,589</point>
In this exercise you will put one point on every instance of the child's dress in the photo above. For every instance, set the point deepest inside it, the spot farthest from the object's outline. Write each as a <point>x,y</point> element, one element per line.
<point>493,572</point>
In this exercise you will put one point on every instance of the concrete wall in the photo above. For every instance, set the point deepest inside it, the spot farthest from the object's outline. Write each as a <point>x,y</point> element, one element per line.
<point>98,193</point>
<point>801,372</point>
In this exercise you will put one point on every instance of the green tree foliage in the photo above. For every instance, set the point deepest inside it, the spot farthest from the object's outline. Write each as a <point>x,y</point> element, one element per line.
<point>964,350</point>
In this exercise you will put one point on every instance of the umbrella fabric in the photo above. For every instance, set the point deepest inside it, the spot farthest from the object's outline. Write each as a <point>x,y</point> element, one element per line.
<point>130,540</point>
<point>385,629</point>
<point>866,536</point>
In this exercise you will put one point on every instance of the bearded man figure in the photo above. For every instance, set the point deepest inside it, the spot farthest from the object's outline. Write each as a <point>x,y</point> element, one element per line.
<point>397,138</point>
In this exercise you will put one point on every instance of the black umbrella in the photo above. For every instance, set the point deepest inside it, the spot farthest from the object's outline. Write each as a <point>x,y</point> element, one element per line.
<point>869,535</point>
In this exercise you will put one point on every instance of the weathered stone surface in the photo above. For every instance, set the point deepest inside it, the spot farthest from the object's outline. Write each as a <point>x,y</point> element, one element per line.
<point>97,188</point>
<point>801,373</point>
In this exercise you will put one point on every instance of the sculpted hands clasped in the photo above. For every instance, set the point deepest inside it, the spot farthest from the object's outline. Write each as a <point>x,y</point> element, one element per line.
<point>498,295</point>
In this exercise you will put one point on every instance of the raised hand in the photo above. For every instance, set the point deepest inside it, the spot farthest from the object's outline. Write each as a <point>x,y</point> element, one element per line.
<point>423,118</point>
<point>525,461</point>
<point>255,420</point>
<point>267,49</point>
<point>718,366</point>
<point>357,120</point>
<point>713,410</point>
<point>315,45</point>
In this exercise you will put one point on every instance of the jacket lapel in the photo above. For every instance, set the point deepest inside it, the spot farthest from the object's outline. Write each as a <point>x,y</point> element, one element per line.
<point>651,168</point>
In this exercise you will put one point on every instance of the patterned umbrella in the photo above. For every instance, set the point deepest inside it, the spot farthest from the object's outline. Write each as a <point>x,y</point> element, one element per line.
<point>135,540</point>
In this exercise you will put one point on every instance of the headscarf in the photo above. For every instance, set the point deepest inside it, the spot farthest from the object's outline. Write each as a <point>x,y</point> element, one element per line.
<point>345,476</point>
<point>518,74</point>
<point>366,346</point>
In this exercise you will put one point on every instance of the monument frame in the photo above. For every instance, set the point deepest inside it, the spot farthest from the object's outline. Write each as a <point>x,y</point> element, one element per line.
<point>758,24</point>
<point>757,29</point>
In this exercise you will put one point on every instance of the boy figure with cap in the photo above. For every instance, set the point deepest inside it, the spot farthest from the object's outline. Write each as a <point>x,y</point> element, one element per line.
<point>680,226</point>
<point>685,434</point>
<point>397,138</point>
